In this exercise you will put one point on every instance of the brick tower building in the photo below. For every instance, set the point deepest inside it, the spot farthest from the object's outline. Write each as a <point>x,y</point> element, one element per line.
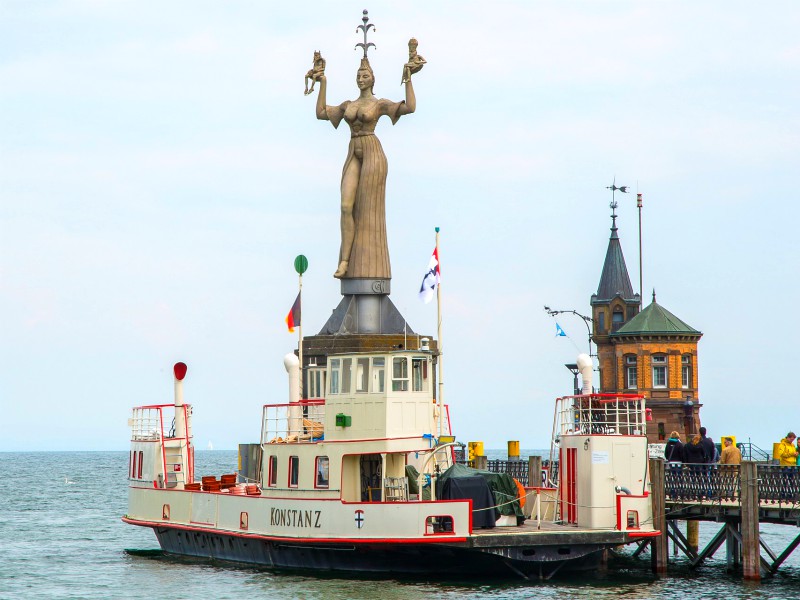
<point>651,352</point>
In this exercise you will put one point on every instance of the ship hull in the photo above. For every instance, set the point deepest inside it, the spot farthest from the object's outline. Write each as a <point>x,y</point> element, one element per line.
<point>430,560</point>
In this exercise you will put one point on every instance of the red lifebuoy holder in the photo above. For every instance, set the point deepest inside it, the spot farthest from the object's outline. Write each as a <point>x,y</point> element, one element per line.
<point>180,370</point>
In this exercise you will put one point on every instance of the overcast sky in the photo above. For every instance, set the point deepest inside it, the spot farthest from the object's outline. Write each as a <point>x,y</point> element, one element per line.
<point>160,168</point>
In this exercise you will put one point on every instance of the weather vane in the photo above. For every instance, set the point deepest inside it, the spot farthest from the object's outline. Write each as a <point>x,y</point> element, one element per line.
<point>365,28</point>
<point>613,187</point>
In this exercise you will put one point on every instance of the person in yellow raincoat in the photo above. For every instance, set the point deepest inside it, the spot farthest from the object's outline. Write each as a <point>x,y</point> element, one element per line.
<point>786,452</point>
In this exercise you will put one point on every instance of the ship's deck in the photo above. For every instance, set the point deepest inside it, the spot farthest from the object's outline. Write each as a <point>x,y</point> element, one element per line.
<point>530,534</point>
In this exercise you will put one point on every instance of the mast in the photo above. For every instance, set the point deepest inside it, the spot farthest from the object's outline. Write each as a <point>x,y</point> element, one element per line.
<point>639,206</point>
<point>439,335</point>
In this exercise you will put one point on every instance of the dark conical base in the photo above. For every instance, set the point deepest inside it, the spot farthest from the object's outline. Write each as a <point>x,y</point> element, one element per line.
<point>366,314</point>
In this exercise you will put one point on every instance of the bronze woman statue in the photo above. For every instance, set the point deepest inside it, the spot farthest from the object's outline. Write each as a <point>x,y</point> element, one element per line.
<point>364,252</point>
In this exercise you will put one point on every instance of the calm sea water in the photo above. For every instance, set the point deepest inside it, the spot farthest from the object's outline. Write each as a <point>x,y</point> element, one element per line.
<point>61,537</point>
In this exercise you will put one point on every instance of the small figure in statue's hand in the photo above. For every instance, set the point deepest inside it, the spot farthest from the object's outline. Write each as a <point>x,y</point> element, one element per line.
<point>415,61</point>
<point>315,72</point>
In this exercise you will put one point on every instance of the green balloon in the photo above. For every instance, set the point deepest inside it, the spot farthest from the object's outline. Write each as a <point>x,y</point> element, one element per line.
<point>300,264</point>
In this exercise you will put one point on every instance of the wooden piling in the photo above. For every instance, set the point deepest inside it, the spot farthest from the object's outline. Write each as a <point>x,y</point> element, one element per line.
<point>693,535</point>
<point>534,471</point>
<point>751,550</point>
<point>658,545</point>
<point>480,462</point>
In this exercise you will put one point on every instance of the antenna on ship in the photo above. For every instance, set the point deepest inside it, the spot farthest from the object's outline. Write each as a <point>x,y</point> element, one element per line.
<point>439,333</point>
<point>301,266</point>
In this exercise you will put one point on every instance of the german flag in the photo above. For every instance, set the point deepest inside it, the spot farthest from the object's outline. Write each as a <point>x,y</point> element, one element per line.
<point>293,318</point>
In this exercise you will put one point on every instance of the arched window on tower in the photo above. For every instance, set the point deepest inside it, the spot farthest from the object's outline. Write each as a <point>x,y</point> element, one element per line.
<point>617,318</point>
<point>686,371</point>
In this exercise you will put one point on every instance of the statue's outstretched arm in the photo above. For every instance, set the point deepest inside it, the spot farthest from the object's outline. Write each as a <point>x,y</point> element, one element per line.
<point>322,114</point>
<point>334,114</point>
<point>411,100</point>
<point>395,110</point>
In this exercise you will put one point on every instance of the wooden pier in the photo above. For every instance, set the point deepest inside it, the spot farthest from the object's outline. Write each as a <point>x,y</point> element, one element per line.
<point>738,497</point>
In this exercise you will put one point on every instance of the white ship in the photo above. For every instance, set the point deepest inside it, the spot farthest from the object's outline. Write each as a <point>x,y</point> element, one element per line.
<point>349,482</point>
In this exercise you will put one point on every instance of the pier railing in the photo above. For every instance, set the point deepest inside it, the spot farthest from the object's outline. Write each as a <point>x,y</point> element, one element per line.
<point>689,482</point>
<point>685,482</point>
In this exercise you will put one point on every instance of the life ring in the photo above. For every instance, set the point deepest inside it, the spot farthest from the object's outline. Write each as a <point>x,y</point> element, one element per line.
<point>520,493</point>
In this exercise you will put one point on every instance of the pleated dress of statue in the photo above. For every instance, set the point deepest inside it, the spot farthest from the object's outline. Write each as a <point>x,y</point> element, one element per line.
<point>369,256</point>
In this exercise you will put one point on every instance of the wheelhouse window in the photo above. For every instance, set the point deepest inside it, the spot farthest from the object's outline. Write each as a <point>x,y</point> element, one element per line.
<point>378,375</point>
<point>273,471</point>
<point>419,374</point>
<point>336,374</point>
<point>659,371</point>
<point>294,468</point>
<point>347,375</point>
<point>631,372</point>
<point>316,382</point>
<point>323,473</point>
<point>686,371</point>
<point>362,375</point>
<point>400,374</point>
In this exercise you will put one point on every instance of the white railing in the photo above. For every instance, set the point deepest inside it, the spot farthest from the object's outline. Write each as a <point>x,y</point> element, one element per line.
<point>601,414</point>
<point>147,423</point>
<point>297,422</point>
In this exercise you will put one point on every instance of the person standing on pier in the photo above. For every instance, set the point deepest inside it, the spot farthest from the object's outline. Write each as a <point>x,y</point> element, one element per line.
<point>709,449</point>
<point>786,452</point>
<point>673,451</point>
<point>730,454</point>
<point>673,454</point>
<point>728,473</point>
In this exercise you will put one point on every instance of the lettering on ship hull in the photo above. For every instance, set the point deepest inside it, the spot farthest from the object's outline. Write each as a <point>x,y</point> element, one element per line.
<point>290,517</point>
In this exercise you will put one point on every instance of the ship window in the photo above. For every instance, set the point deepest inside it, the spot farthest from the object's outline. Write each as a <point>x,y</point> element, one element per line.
<point>273,471</point>
<point>347,374</point>
<point>419,374</point>
<point>440,525</point>
<point>323,473</point>
<point>659,371</point>
<point>633,519</point>
<point>133,468</point>
<point>335,374</point>
<point>141,460</point>
<point>378,374</point>
<point>294,467</point>
<point>362,375</point>
<point>399,374</point>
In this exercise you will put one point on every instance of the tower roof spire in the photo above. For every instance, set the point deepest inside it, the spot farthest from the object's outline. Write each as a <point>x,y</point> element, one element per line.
<point>614,280</point>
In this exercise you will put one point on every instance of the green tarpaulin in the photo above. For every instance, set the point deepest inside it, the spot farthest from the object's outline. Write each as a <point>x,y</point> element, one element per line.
<point>501,484</point>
